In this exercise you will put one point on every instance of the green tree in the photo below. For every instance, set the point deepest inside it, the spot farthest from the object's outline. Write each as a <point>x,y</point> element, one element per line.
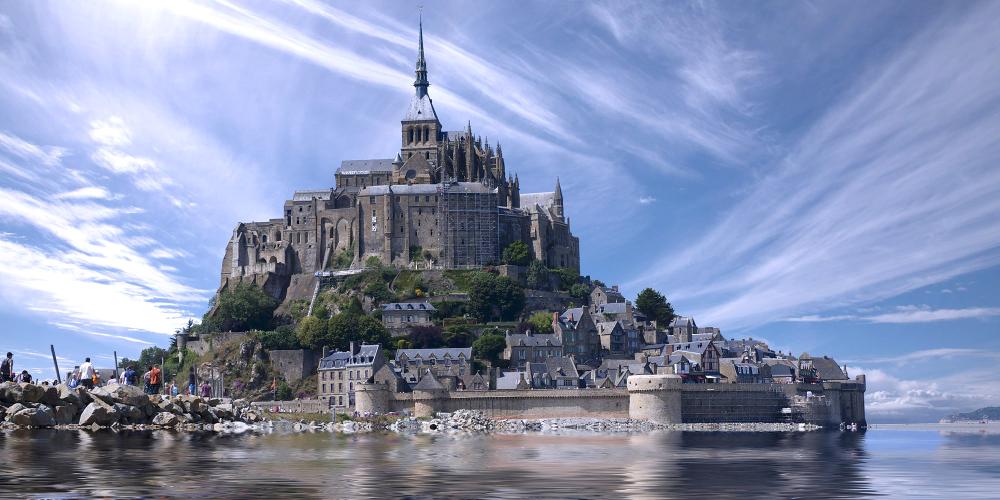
<point>403,344</point>
<point>567,277</point>
<point>379,292</point>
<point>148,357</point>
<point>492,297</point>
<point>343,329</point>
<point>283,337</point>
<point>283,392</point>
<point>426,337</point>
<point>458,336</point>
<point>655,306</point>
<point>241,308</point>
<point>541,322</point>
<point>489,347</point>
<point>580,292</point>
<point>312,332</point>
<point>537,276</point>
<point>516,254</point>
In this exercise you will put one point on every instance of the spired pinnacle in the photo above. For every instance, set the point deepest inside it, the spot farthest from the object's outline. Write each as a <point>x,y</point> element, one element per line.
<point>421,82</point>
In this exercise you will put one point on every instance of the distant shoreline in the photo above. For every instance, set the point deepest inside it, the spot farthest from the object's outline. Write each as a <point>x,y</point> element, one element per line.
<point>992,427</point>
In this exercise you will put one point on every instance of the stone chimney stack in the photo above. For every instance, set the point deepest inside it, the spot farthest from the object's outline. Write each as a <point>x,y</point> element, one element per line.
<point>352,348</point>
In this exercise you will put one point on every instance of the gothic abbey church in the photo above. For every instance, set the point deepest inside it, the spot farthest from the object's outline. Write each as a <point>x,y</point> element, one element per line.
<point>444,201</point>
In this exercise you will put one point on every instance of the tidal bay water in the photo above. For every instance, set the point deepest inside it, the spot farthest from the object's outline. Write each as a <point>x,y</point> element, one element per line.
<point>900,462</point>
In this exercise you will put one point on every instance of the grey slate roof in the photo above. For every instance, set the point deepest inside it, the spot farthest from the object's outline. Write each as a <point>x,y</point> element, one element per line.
<point>612,308</point>
<point>322,194</point>
<point>361,167</point>
<point>408,306</point>
<point>340,359</point>
<point>420,108</point>
<point>682,321</point>
<point>427,189</point>
<point>828,369</point>
<point>428,383</point>
<point>561,366</point>
<point>438,353</point>
<point>537,201</point>
<point>534,340</point>
<point>509,380</point>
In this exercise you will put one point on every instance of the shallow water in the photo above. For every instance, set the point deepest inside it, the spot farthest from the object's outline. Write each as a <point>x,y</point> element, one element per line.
<point>913,463</point>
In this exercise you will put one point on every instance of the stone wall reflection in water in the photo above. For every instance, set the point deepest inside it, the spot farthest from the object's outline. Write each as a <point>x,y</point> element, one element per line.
<point>578,465</point>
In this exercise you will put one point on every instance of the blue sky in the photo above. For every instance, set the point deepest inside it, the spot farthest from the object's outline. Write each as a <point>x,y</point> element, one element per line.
<point>821,175</point>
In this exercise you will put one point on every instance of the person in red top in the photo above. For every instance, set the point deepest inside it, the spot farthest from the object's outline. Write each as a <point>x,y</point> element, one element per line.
<point>155,380</point>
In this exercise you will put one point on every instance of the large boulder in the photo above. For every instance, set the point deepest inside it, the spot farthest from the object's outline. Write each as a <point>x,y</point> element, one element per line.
<point>40,416</point>
<point>100,414</point>
<point>117,393</point>
<point>76,395</point>
<point>11,392</point>
<point>166,419</point>
<point>13,409</point>
<point>132,414</point>
<point>51,396</point>
<point>31,393</point>
<point>168,406</point>
<point>65,413</point>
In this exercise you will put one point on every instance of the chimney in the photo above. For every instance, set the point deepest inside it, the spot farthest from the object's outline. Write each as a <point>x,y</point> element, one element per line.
<point>352,348</point>
<point>324,351</point>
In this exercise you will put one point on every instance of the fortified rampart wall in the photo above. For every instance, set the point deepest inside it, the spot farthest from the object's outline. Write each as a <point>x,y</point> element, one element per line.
<point>657,398</point>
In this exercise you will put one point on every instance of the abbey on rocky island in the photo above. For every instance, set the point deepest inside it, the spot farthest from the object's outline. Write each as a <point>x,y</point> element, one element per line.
<point>445,200</point>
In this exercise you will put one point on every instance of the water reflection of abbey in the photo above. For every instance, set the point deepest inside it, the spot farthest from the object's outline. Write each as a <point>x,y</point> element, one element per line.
<point>445,199</point>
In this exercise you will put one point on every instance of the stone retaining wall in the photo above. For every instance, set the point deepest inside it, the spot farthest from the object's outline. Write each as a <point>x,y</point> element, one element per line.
<point>657,398</point>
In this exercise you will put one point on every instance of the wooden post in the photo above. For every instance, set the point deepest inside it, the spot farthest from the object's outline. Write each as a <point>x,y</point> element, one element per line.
<point>117,376</point>
<point>56,363</point>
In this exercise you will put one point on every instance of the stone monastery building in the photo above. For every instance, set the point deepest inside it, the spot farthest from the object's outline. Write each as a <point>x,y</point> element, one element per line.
<point>445,199</point>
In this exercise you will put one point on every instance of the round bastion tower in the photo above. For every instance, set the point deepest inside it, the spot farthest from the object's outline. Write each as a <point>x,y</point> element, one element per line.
<point>656,398</point>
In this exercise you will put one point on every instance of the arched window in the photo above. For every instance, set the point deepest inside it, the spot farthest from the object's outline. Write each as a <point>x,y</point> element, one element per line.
<point>410,136</point>
<point>427,134</point>
<point>263,238</point>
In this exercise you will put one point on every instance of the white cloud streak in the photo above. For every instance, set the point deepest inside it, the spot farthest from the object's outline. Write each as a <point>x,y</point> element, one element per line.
<point>906,315</point>
<point>878,198</point>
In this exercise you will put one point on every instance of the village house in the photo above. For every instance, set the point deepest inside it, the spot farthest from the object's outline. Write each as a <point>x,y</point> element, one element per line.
<point>554,373</point>
<point>740,371</point>
<point>413,363</point>
<point>576,330</point>
<point>340,371</point>
<point>528,347</point>
<point>398,318</point>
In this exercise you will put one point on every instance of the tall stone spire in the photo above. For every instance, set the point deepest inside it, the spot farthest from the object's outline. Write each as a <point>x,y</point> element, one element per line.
<point>557,201</point>
<point>421,82</point>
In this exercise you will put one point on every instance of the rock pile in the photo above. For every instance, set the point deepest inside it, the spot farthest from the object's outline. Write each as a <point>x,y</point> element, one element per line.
<point>29,405</point>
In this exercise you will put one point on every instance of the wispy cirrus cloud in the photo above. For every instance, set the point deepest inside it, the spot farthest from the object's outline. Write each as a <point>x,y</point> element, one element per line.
<point>927,355</point>
<point>904,314</point>
<point>845,217</point>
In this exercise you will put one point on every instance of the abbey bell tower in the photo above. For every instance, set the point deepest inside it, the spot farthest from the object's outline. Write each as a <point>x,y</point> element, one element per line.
<point>420,129</point>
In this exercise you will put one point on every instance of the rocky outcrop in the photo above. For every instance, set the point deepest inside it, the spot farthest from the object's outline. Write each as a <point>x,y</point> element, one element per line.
<point>29,405</point>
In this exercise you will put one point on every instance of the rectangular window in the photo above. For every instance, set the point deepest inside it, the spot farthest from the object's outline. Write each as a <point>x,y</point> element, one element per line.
<point>371,200</point>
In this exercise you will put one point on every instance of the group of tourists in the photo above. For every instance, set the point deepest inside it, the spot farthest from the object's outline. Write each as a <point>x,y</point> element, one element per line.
<point>88,377</point>
<point>7,373</point>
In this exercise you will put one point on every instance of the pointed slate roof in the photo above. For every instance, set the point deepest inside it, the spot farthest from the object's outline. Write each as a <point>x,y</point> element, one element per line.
<point>429,383</point>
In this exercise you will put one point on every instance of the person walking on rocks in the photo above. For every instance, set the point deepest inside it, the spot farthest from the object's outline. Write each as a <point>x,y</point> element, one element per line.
<point>192,383</point>
<point>24,377</point>
<point>129,375</point>
<point>206,390</point>
<point>87,374</point>
<point>155,380</point>
<point>7,368</point>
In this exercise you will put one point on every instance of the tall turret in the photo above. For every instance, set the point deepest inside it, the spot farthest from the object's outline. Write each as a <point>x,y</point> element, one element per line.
<point>557,202</point>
